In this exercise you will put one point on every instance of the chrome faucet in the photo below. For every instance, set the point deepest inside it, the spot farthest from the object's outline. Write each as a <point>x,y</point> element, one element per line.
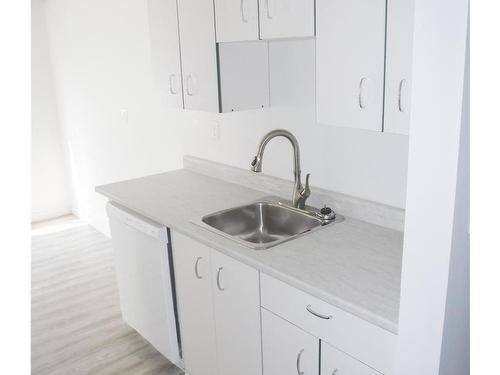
<point>300,193</point>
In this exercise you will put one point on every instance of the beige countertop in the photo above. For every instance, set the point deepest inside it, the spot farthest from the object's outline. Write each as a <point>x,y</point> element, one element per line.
<point>353,264</point>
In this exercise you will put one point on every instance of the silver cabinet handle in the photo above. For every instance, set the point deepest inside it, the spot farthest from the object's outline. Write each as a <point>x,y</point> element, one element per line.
<point>198,276</point>
<point>191,79</point>
<point>322,316</point>
<point>268,6</point>
<point>299,356</point>
<point>218,279</point>
<point>401,94</point>
<point>364,93</point>
<point>334,372</point>
<point>171,82</point>
<point>242,8</point>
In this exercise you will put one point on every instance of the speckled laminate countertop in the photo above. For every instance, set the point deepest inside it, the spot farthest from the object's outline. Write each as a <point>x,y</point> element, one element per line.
<point>353,265</point>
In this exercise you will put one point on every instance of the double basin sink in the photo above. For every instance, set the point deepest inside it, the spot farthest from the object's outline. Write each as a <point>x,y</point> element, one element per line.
<point>263,224</point>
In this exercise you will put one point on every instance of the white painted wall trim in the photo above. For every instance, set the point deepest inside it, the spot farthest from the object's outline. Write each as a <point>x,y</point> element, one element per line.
<point>438,96</point>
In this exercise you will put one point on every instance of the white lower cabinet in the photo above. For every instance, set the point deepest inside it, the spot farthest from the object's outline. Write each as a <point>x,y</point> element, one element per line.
<point>335,362</point>
<point>286,349</point>
<point>219,311</point>
<point>234,321</point>
<point>237,316</point>
<point>195,305</point>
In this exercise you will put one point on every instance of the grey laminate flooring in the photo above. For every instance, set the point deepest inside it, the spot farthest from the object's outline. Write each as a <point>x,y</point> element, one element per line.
<point>76,322</point>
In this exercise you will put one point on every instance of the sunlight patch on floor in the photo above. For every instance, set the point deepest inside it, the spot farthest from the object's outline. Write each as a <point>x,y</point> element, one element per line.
<point>56,225</point>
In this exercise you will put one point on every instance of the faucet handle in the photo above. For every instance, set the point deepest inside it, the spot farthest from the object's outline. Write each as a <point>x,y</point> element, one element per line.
<point>306,191</point>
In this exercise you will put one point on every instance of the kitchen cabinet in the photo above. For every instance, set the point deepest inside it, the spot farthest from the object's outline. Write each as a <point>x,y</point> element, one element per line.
<point>199,57</point>
<point>237,316</point>
<point>236,20</point>
<point>335,362</point>
<point>350,48</point>
<point>219,310</point>
<point>165,54</point>
<point>286,18</point>
<point>399,55</point>
<point>224,78</point>
<point>243,76</point>
<point>360,339</point>
<point>287,349</point>
<point>193,280</point>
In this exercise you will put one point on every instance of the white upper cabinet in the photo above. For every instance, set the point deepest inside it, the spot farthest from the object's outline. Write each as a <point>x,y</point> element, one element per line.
<point>199,56</point>
<point>398,66</point>
<point>286,349</point>
<point>193,281</point>
<point>236,20</point>
<point>165,55</point>
<point>237,316</point>
<point>243,75</point>
<point>286,18</point>
<point>350,47</point>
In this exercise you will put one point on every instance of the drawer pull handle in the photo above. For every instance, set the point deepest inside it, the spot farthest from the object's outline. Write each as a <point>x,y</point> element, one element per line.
<point>322,316</point>
<point>192,87</point>
<point>171,82</point>
<point>364,94</point>
<point>402,95</point>
<point>335,371</point>
<point>268,6</point>
<point>218,279</point>
<point>198,276</point>
<point>299,356</point>
<point>244,19</point>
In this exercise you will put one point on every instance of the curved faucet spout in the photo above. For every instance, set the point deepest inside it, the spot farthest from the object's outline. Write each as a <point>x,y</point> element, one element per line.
<point>300,194</point>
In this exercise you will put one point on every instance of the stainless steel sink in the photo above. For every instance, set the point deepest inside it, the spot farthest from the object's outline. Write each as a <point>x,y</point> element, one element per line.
<point>262,224</point>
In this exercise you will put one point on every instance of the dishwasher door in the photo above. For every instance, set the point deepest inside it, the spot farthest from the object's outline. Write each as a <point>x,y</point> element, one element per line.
<point>145,279</point>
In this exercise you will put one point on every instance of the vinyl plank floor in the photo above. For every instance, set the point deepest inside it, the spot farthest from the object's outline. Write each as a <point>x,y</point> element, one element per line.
<point>76,325</point>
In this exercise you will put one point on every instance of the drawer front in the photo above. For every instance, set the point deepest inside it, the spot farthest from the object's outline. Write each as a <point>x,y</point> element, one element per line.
<point>333,361</point>
<point>370,344</point>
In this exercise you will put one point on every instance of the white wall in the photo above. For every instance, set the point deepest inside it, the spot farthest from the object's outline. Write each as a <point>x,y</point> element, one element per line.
<point>434,305</point>
<point>50,194</point>
<point>102,63</point>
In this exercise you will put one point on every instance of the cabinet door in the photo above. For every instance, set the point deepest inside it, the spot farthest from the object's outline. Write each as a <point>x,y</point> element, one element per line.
<point>335,362</point>
<point>198,53</point>
<point>286,349</point>
<point>398,66</point>
<point>194,299</point>
<point>286,18</point>
<point>237,316</point>
<point>165,55</point>
<point>350,44</point>
<point>236,20</point>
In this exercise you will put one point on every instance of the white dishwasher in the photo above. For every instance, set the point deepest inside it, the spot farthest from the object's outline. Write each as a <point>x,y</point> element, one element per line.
<point>144,268</point>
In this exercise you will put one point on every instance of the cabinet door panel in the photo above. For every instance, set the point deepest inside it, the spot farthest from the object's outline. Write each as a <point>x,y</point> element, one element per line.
<point>198,55</point>
<point>334,361</point>
<point>194,298</point>
<point>165,55</point>
<point>237,316</point>
<point>236,20</point>
<point>286,18</point>
<point>350,44</point>
<point>398,66</point>
<point>286,349</point>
